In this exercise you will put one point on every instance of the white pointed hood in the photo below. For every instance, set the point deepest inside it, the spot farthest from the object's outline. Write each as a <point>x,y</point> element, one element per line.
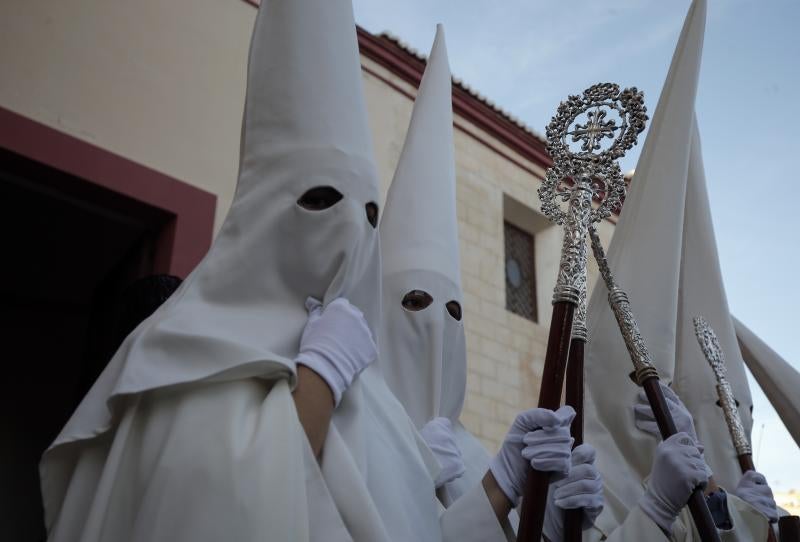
<point>702,293</point>
<point>645,255</point>
<point>240,313</point>
<point>779,380</point>
<point>419,229</point>
<point>422,354</point>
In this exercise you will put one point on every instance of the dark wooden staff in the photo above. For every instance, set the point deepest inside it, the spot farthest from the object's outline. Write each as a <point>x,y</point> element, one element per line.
<point>712,350</point>
<point>789,528</point>
<point>647,377</point>
<point>573,519</point>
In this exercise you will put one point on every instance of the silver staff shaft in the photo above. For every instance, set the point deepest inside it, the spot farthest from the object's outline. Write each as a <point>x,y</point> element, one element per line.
<point>621,307</point>
<point>709,344</point>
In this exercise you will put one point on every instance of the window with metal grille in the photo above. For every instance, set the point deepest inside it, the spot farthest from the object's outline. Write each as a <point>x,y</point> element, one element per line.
<point>520,272</point>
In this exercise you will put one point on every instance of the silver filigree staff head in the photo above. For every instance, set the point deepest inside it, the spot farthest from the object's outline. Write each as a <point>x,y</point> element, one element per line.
<point>589,172</point>
<point>709,344</point>
<point>586,137</point>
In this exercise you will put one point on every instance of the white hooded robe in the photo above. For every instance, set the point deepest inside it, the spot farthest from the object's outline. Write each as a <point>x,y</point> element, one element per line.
<point>423,353</point>
<point>191,434</point>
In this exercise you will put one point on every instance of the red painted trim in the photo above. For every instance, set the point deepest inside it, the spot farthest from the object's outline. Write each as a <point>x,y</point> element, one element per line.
<point>182,244</point>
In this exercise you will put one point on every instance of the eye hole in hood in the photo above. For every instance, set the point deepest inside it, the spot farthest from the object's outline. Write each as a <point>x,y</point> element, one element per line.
<point>454,309</point>
<point>417,300</point>
<point>319,198</point>
<point>372,213</point>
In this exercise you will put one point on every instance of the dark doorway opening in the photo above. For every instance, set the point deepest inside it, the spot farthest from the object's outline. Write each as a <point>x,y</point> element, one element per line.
<point>70,247</point>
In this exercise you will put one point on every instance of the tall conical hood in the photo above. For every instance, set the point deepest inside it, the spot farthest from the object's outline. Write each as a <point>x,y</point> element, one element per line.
<point>304,91</point>
<point>702,293</point>
<point>779,380</point>
<point>423,356</point>
<point>423,348</point>
<point>419,229</point>
<point>241,312</point>
<point>645,255</point>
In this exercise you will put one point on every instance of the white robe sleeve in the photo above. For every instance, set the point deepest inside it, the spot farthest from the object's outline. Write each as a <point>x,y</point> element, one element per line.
<point>471,517</point>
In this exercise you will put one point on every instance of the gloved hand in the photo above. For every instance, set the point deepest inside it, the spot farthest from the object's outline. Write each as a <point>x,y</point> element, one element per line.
<point>581,488</point>
<point>684,423</point>
<point>678,468</point>
<point>336,344</point>
<point>753,490</point>
<point>539,437</point>
<point>438,435</point>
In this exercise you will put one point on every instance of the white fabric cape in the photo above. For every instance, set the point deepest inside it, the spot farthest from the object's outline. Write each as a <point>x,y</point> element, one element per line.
<point>664,256</point>
<point>779,380</point>
<point>190,433</point>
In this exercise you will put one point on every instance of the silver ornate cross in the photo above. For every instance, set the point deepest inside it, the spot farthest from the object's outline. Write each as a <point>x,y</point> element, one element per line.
<point>594,130</point>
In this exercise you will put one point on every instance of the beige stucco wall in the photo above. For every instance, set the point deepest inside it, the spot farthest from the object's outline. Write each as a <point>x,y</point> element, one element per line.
<point>162,83</point>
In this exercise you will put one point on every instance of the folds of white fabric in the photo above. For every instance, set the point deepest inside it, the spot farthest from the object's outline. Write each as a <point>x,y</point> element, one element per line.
<point>215,461</point>
<point>779,380</point>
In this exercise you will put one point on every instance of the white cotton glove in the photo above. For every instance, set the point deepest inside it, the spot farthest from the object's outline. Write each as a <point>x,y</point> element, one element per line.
<point>581,488</point>
<point>684,423</point>
<point>336,344</point>
<point>438,435</point>
<point>539,437</point>
<point>753,490</point>
<point>678,468</point>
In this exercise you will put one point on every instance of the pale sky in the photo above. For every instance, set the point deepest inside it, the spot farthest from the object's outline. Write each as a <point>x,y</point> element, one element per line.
<point>527,55</point>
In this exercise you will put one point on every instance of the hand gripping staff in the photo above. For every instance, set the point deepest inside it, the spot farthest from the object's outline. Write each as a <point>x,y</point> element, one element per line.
<point>585,138</point>
<point>646,375</point>
<point>713,353</point>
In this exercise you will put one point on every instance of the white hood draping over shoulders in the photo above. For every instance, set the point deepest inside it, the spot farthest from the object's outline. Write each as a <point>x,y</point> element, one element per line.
<point>191,433</point>
<point>240,313</point>
<point>779,380</point>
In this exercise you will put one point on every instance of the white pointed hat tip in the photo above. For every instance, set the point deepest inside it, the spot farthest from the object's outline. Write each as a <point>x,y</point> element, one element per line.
<point>699,8</point>
<point>422,233</point>
<point>438,52</point>
<point>439,41</point>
